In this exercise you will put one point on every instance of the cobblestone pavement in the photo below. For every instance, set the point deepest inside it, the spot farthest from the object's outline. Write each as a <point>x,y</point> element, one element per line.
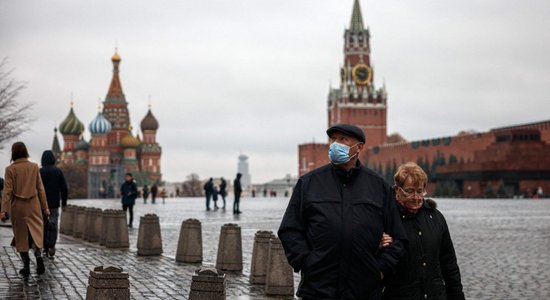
<point>502,248</point>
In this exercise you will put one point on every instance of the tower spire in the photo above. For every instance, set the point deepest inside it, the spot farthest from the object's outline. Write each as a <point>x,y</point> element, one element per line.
<point>356,23</point>
<point>115,94</point>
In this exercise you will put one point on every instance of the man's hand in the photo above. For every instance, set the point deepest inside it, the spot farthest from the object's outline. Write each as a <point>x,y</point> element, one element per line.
<point>46,212</point>
<point>385,241</point>
<point>3,216</point>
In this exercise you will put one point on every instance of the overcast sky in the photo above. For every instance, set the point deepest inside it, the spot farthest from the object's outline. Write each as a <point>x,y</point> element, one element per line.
<point>252,76</point>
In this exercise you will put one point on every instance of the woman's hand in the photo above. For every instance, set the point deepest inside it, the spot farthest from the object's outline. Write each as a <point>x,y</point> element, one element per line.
<point>46,212</point>
<point>3,216</point>
<point>385,241</point>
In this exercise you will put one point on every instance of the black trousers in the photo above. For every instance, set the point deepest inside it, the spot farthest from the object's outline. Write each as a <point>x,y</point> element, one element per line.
<point>130,207</point>
<point>236,203</point>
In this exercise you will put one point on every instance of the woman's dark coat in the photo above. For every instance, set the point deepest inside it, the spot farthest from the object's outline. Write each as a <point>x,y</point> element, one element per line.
<point>54,181</point>
<point>429,270</point>
<point>129,192</point>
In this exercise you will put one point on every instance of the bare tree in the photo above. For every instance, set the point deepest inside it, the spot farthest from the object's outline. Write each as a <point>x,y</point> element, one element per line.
<point>192,187</point>
<point>15,117</point>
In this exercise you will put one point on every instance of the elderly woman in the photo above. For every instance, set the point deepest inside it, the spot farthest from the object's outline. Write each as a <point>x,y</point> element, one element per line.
<point>429,270</point>
<point>25,199</point>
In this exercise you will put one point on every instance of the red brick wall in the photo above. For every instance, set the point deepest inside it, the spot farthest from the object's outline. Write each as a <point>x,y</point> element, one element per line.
<point>311,156</point>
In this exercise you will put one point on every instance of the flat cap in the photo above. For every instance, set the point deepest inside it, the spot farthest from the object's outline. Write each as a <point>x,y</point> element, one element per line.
<point>349,130</point>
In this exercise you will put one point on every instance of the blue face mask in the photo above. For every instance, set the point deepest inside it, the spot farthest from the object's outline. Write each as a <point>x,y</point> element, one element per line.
<point>339,153</point>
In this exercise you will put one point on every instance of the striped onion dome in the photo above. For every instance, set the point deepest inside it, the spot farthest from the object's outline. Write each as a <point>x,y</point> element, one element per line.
<point>71,125</point>
<point>100,125</point>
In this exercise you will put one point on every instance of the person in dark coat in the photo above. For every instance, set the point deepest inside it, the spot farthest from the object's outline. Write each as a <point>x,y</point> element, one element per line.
<point>332,227</point>
<point>1,189</point>
<point>145,194</point>
<point>208,191</point>
<point>56,193</point>
<point>154,192</point>
<point>429,270</point>
<point>237,189</point>
<point>129,193</point>
<point>223,190</point>
<point>215,193</point>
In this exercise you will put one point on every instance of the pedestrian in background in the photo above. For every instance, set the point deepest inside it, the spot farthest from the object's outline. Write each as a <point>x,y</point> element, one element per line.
<point>129,193</point>
<point>215,197</point>
<point>429,270</point>
<point>25,199</point>
<point>237,189</point>
<point>208,191</point>
<point>1,189</point>
<point>145,194</point>
<point>154,192</point>
<point>223,190</point>
<point>56,193</point>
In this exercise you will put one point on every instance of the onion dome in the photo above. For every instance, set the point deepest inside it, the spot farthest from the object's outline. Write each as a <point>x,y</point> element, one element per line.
<point>71,124</point>
<point>130,141</point>
<point>116,57</point>
<point>149,122</point>
<point>82,145</point>
<point>100,125</point>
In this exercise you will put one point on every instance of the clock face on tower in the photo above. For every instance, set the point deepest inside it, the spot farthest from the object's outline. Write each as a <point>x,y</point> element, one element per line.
<point>362,74</point>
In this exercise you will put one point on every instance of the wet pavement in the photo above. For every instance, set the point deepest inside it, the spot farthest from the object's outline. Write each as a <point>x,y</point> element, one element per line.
<point>503,250</point>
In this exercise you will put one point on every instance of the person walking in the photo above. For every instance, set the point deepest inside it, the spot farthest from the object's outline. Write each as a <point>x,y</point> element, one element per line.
<point>237,189</point>
<point>208,191</point>
<point>24,198</point>
<point>332,227</point>
<point>223,191</point>
<point>145,194</point>
<point>154,192</point>
<point>430,269</point>
<point>129,193</point>
<point>56,193</point>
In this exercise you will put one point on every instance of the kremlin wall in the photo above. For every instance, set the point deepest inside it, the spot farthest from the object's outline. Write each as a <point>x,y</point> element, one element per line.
<point>503,162</point>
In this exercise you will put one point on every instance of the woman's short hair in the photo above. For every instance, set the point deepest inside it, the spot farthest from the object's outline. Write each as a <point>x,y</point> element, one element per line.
<point>411,170</point>
<point>19,150</point>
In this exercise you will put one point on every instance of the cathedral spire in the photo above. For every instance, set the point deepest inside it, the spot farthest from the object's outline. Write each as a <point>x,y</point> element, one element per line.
<point>356,23</point>
<point>115,94</point>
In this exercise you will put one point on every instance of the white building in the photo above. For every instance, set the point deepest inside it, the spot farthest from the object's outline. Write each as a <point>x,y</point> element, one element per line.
<point>242,168</point>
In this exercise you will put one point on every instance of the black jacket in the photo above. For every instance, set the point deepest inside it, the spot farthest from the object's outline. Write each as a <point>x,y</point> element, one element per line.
<point>129,192</point>
<point>332,229</point>
<point>429,270</point>
<point>55,186</point>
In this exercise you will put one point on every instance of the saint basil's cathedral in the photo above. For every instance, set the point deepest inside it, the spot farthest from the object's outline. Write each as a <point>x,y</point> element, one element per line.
<point>113,150</point>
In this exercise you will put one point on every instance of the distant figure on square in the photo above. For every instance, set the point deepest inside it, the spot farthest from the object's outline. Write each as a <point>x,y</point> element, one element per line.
<point>1,189</point>
<point>215,194</point>
<point>237,189</point>
<point>177,192</point>
<point>429,270</point>
<point>223,190</point>
<point>333,224</point>
<point>145,194</point>
<point>208,191</point>
<point>129,193</point>
<point>24,198</point>
<point>56,193</point>
<point>154,192</point>
<point>163,195</point>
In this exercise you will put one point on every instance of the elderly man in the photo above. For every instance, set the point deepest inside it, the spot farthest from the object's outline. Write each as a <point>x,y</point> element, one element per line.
<point>333,225</point>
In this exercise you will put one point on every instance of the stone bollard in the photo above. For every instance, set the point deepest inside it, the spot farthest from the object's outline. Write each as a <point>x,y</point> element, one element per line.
<point>207,284</point>
<point>79,221</point>
<point>279,279</point>
<point>63,220</point>
<point>115,229</point>
<point>260,253</point>
<point>190,242</point>
<point>230,253</point>
<point>108,283</point>
<point>86,227</point>
<point>94,225</point>
<point>67,224</point>
<point>149,238</point>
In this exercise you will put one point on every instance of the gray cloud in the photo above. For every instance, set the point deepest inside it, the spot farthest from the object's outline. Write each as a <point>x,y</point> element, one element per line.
<point>252,76</point>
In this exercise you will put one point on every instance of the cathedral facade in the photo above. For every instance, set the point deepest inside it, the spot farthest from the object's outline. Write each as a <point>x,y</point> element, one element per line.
<point>113,149</point>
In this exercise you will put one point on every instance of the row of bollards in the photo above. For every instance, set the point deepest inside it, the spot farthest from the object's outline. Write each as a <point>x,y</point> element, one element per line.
<point>108,228</point>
